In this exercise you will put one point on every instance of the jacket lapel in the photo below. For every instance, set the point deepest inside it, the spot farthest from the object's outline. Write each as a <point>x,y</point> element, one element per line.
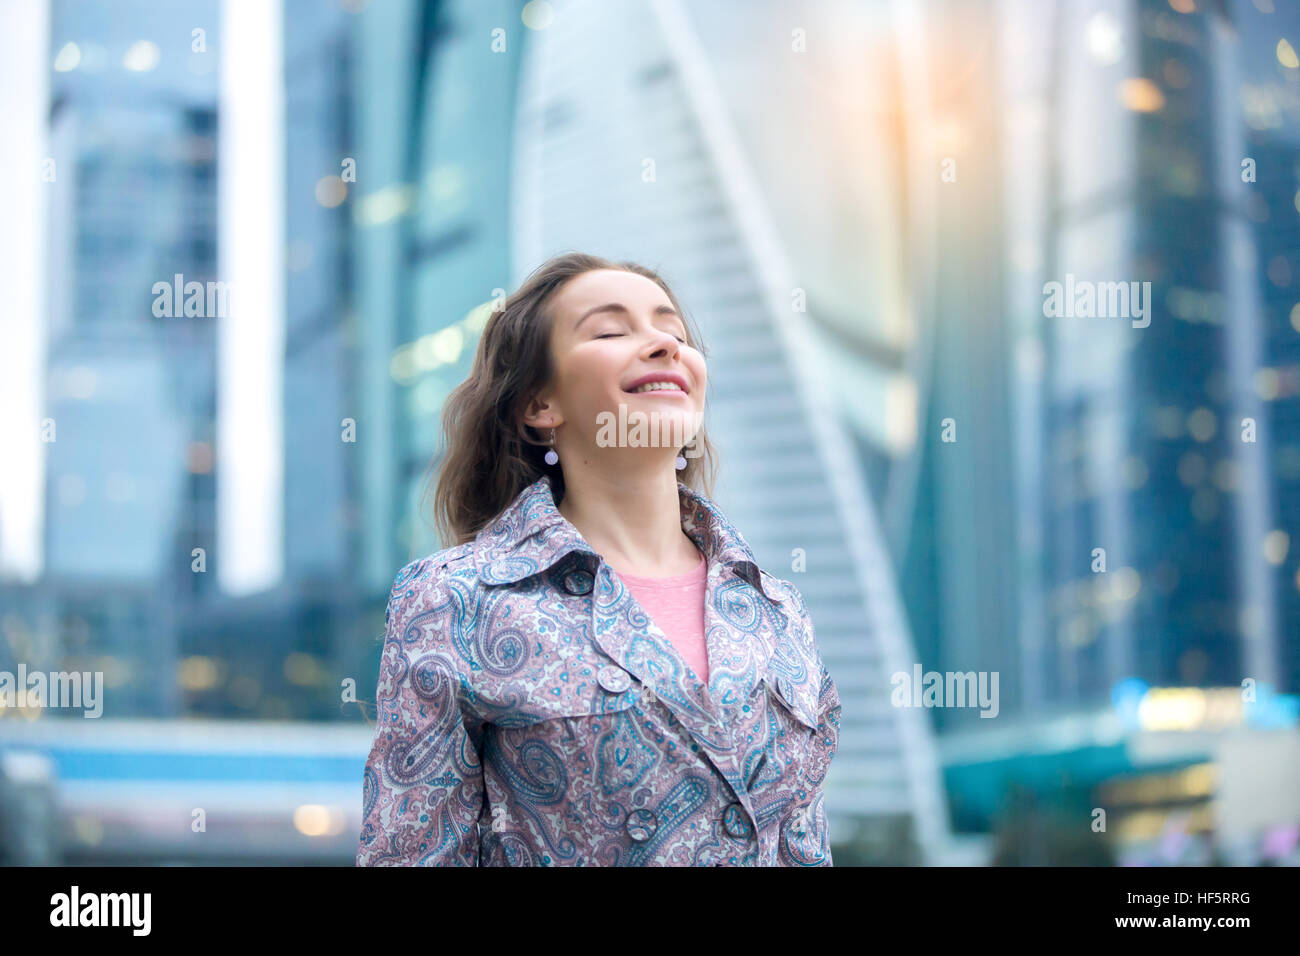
<point>624,632</point>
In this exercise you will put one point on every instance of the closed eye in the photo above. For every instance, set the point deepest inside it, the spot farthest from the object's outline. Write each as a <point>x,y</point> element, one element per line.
<point>614,334</point>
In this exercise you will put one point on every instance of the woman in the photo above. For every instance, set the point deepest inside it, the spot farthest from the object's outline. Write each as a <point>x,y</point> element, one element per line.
<point>596,672</point>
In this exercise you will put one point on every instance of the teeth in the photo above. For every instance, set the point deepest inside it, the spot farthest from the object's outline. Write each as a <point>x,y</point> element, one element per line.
<point>657,387</point>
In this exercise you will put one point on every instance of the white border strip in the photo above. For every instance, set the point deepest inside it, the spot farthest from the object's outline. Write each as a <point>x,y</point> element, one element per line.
<point>250,351</point>
<point>24,93</point>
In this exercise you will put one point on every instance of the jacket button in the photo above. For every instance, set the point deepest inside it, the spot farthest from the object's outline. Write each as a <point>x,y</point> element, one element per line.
<point>613,678</point>
<point>734,822</point>
<point>578,582</point>
<point>641,825</point>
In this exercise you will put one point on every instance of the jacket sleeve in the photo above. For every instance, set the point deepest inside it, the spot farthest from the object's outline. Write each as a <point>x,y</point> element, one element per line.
<point>422,790</point>
<point>809,842</point>
<point>828,725</point>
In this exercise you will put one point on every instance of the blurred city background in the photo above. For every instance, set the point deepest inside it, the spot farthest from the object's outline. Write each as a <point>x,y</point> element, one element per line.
<point>248,248</point>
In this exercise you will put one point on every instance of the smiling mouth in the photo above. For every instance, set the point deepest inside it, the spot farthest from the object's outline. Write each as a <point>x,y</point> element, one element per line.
<point>657,387</point>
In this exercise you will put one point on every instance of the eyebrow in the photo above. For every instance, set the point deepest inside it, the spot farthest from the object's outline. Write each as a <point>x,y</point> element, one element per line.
<point>620,307</point>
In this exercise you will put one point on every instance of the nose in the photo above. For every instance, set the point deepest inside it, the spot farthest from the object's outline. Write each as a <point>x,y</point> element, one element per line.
<point>662,345</point>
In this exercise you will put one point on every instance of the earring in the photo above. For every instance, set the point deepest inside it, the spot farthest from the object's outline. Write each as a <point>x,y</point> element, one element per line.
<point>680,463</point>
<point>551,457</point>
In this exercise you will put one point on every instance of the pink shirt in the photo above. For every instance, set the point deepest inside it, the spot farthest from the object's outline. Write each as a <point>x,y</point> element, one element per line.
<point>676,605</point>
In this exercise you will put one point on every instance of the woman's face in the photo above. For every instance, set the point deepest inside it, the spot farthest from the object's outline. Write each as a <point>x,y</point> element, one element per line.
<point>620,356</point>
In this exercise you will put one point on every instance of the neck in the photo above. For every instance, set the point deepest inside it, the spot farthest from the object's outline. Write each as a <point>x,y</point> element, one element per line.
<point>631,517</point>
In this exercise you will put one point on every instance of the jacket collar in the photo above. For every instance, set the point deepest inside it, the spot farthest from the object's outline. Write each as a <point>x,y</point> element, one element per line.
<point>531,536</point>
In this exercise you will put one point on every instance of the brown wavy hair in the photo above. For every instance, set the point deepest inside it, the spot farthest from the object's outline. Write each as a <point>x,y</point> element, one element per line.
<point>489,455</point>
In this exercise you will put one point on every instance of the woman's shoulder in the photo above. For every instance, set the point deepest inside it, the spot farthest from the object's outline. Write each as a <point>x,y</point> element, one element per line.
<point>792,604</point>
<point>414,584</point>
<point>782,591</point>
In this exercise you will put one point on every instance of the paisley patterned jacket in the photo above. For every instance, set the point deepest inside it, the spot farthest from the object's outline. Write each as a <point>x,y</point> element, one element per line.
<point>530,714</point>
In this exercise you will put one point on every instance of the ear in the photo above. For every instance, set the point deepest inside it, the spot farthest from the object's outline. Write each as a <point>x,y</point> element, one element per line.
<point>541,412</point>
